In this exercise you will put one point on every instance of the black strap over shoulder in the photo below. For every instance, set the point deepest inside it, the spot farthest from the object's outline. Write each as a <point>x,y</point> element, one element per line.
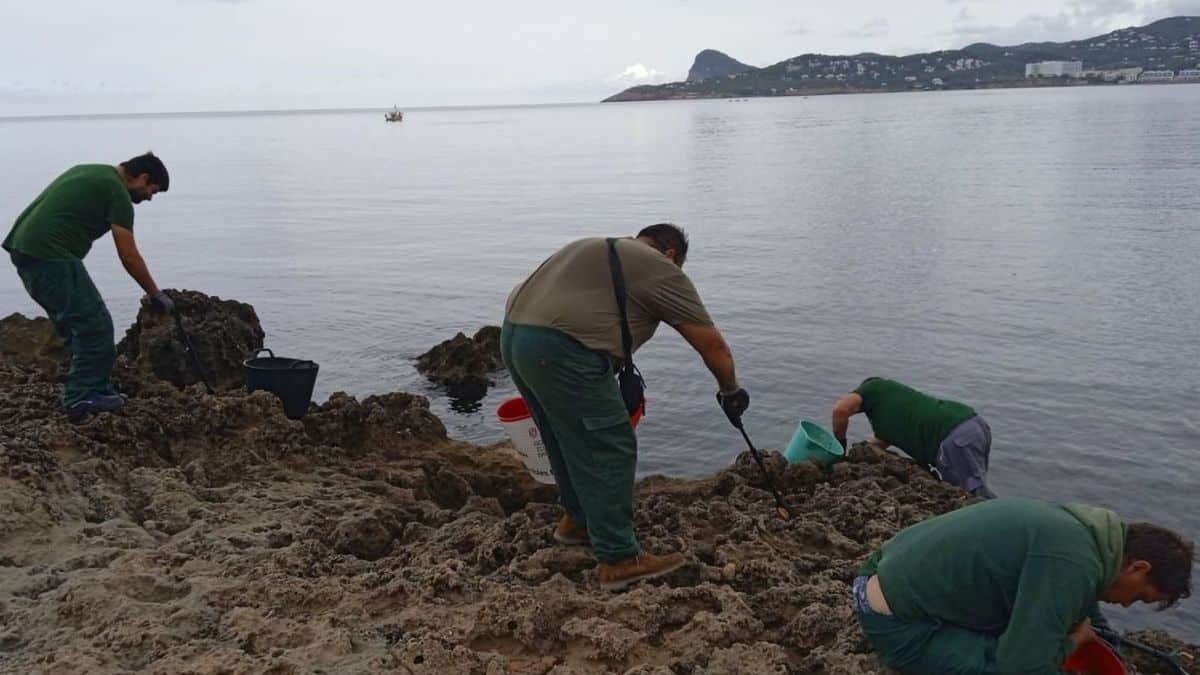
<point>629,378</point>
<point>618,279</point>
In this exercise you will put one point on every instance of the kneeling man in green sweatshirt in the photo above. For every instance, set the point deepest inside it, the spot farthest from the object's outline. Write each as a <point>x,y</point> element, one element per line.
<point>946,437</point>
<point>1011,585</point>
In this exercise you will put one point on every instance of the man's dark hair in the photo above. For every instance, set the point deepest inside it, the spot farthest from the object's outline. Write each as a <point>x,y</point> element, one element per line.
<point>667,236</point>
<point>148,163</point>
<point>1170,557</point>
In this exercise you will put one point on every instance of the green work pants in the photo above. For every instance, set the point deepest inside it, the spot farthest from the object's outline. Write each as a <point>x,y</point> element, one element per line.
<point>64,289</point>
<point>921,647</point>
<point>573,396</point>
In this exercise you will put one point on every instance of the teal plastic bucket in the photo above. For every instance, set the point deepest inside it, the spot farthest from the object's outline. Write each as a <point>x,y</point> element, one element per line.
<point>812,442</point>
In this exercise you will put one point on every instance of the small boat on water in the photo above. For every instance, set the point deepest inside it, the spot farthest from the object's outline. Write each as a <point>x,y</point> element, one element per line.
<point>393,115</point>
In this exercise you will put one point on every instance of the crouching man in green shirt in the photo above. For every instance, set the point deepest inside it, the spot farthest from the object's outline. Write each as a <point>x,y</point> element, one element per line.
<point>47,245</point>
<point>562,342</point>
<point>946,437</point>
<point>1011,585</point>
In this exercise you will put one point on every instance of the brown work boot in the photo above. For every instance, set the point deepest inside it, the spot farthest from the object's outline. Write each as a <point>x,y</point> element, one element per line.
<point>618,575</point>
<point>569,533</point>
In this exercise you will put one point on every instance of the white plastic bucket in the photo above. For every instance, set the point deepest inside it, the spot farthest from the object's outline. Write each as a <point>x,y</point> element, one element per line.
<point>527,439</point>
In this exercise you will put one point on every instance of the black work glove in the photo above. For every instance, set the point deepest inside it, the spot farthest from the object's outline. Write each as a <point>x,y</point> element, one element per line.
<point>161,303</point>
<point>734,403</point>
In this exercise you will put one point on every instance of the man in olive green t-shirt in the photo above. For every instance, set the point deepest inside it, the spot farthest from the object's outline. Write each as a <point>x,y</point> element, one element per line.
<point>47,245</point>
<point>562,342</point>
<point>946,437</point>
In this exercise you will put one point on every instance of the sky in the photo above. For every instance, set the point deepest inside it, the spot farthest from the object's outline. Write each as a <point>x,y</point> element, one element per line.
<point>120,56</point>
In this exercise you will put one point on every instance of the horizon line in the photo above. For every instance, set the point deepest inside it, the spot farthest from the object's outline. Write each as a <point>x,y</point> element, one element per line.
<point>282,111</point>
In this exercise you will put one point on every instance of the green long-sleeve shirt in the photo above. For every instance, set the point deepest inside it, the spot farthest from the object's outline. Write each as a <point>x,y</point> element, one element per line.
<point>1024,570</point>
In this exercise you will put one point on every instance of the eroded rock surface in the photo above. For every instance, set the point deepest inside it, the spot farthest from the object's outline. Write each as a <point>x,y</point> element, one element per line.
<point>1188,656</point>
<point>211,534</point>
<point>223,332</point>
<point>32,342</point>
<point>464,364</point>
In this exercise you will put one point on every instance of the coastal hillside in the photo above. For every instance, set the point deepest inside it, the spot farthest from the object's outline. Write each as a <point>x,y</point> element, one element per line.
<point>711,63</point>
<point>1170,44</point>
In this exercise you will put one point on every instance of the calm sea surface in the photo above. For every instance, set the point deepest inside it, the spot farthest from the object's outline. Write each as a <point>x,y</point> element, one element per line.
<point>1031,253</point>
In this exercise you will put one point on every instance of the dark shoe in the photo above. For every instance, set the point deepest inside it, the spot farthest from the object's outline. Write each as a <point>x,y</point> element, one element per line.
<point>616,576</point>
<point>569,533</point>
<point>96,403</point>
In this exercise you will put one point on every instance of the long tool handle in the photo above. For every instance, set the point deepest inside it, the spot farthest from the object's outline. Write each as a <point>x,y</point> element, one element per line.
<point>1116,640</point>
<point>782,509</point>
<point>192,357</point>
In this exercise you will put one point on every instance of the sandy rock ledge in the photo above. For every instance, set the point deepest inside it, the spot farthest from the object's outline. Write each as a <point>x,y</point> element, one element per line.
<point>211,534</point>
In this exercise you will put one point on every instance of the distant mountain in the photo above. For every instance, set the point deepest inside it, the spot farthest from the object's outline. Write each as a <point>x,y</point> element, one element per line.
<point>711,63</point>
<point>1169,44</point>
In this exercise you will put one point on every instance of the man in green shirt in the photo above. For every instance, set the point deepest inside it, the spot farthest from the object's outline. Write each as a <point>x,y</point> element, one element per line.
<point>946,437</point>
<point>562,343</point>
<point>47,245</point>
<point>1011,585</point>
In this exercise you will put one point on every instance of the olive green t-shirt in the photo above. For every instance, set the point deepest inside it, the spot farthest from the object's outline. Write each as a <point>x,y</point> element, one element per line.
<point>573,292</point>
<point>79,207</point>
<point>916,423</point>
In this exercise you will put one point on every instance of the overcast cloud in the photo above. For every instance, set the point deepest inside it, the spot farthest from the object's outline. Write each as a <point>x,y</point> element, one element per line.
<point>66,56</point>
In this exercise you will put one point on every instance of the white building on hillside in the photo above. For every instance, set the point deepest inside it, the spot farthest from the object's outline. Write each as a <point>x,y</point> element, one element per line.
<point>1115,74</point>
<point>1054,69</point>
<point>1157,76</point>
<point>1193,74</point>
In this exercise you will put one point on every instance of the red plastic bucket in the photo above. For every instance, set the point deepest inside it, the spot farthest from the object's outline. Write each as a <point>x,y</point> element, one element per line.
<point>527,438</point>
<point>1094,658</point>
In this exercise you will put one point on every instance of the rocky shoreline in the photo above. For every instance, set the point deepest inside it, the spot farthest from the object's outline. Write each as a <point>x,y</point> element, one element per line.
<point>464,366</point>
<point>657,93</point>
<point>211,534</point>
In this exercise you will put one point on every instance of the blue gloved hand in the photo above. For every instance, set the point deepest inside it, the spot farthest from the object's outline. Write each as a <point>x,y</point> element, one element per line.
<point>161,303</point>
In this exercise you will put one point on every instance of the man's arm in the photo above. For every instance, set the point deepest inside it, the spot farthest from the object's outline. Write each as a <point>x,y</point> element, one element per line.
<point>1053,596</point>
<point>131,260</point>
<point>850,404</point>
<point>711,345</point>
<point>1083,634</point>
